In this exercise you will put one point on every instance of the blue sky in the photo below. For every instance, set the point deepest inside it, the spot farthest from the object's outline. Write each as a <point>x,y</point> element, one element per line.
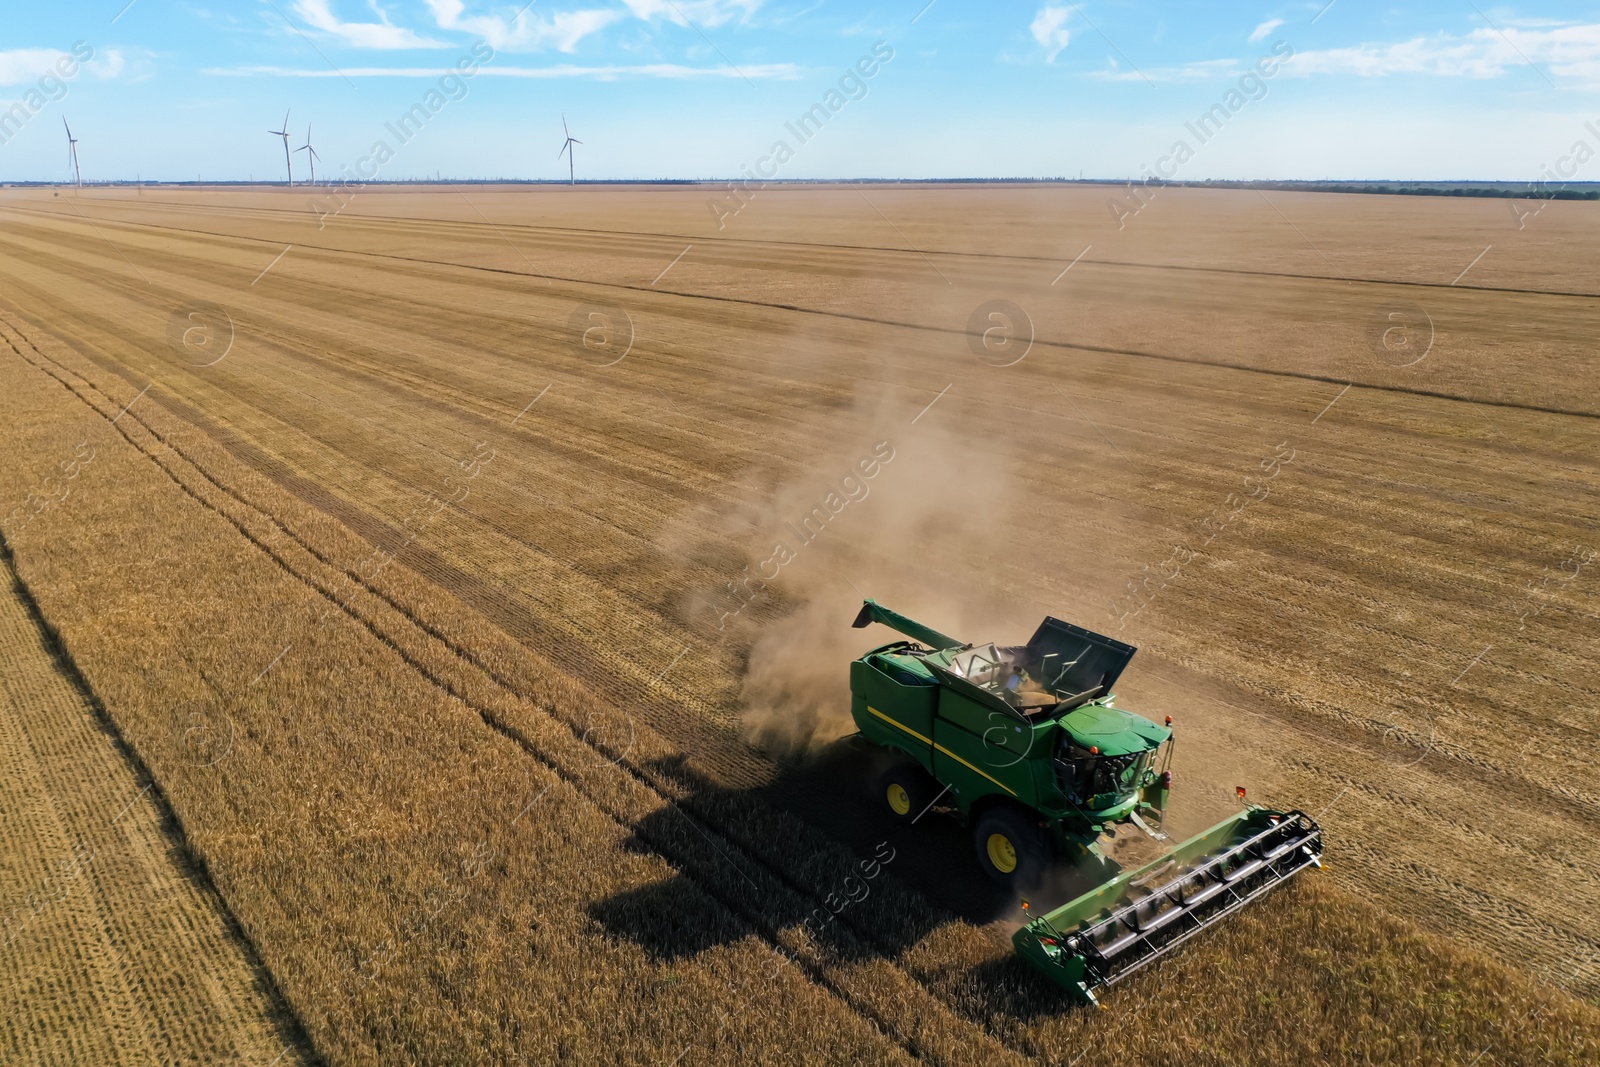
<point>706,88</point>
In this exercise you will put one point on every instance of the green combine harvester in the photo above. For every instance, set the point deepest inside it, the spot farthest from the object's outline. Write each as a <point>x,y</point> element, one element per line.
<point>1026,743</point>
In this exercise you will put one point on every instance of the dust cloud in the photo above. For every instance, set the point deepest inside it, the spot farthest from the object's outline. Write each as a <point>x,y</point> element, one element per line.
<point>924,509</point>
<point>917,544</point>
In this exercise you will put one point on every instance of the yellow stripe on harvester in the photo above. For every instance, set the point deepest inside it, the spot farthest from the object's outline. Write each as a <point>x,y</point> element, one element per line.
<point>901,725</point>
<point>970,767</point>
<point>941,748</point>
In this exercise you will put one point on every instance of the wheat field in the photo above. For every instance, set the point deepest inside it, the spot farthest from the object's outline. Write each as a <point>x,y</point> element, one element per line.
<point>434,623</point>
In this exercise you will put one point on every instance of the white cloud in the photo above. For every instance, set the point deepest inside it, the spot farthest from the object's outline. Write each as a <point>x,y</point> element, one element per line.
<point>1049,28</point>
<point>377,35</point>
<point>782,71</point>
<point>107,63</point>
<point>1197,71</point>
<point>1261,31</point>
<point>24,66</point>
<point>1567,51</point>
<point>563,30</point>
<point>699,12</point>
<point>1570,51</point>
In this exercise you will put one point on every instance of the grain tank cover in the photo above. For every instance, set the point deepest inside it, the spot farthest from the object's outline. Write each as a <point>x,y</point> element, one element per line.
<point>1074,660</point>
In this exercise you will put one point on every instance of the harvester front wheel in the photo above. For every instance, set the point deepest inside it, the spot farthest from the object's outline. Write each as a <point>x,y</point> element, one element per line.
<point>907,790</point>
<point>1011,850</point>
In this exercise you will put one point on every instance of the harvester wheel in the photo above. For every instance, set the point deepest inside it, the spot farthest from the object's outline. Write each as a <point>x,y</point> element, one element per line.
<point>907,790</point>
<point>1011,850</point>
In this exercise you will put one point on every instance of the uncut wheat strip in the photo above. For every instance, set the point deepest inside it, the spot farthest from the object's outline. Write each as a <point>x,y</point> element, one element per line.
<point>54,974</point>
<point>189,991</point>
<point>195,1003</point>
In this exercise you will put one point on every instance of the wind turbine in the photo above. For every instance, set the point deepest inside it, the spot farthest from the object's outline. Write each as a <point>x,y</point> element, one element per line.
<point>284,133</point>
<point>313,157</point>
<point>566,149</point>
<point>72,154</point>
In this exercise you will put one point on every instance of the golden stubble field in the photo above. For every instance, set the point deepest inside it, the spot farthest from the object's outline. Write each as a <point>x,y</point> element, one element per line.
<point>377,512</point>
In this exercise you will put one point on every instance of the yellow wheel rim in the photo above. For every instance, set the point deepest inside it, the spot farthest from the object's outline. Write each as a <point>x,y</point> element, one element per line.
<point>1002,853</point>
<point>899,799</point>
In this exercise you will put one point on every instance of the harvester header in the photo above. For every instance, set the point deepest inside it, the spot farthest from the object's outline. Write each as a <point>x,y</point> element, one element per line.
<point>1026,745</point>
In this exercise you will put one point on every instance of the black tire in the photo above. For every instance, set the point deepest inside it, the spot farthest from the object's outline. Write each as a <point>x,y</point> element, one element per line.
<point>905,790</point>
<point>1012,850</point>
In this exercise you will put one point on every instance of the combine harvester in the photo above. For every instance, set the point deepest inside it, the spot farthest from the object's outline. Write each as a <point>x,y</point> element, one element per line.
<point>1026,742</point>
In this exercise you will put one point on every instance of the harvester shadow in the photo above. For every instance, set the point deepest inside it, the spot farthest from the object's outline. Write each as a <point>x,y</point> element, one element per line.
<point>932,866</point>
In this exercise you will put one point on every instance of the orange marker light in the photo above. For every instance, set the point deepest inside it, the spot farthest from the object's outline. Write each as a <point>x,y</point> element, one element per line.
<point>1094,750</point>
<point>1169,720</point>
<point>1240,790</point>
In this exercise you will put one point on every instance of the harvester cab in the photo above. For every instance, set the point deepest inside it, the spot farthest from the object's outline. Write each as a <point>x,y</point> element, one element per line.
<point>1026,744</point>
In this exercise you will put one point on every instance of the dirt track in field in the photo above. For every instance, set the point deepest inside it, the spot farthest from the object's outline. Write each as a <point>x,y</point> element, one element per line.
<point>1362,641</point>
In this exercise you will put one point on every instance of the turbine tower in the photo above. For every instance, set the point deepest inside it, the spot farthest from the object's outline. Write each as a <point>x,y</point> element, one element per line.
<point>72,155</point>
<point>566,149</point>
<point>287,159</point>
<point>312,157</point>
